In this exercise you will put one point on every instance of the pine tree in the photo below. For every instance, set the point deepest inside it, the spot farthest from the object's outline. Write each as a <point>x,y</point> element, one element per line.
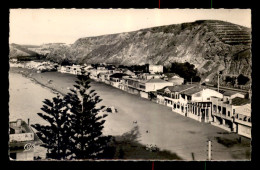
<point>55,135</point>
<point>86,123</point>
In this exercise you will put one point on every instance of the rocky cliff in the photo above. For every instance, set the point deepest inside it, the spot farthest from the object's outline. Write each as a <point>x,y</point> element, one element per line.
<point>208,44</point>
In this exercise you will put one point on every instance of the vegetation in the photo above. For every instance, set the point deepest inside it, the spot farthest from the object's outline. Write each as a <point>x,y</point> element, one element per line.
<point>75,126</point>
<point>242,80</point>
<point>231,80</point>
<point>55,135</point>
<point>185,70</point>
<point>86,123</point>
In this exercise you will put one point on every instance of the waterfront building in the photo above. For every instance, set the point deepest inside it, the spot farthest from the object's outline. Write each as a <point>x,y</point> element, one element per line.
<point>233,115</point>
<point>75,69</point>
<point>116,79</point>
<point>143,87</point>
<point>22,140</point>
<point>188,100</point>
<point>242,120</point>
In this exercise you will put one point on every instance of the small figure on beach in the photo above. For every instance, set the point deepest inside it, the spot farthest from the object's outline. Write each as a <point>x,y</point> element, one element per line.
<point>135,122</point>
<point>147,131</point>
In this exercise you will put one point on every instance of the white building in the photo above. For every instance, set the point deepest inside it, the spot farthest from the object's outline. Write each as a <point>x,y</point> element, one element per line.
<point>155,69</point>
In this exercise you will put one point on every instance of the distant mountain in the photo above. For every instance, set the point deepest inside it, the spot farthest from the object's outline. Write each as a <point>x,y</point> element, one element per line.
<point>17,51</point>
<point>210,45</point>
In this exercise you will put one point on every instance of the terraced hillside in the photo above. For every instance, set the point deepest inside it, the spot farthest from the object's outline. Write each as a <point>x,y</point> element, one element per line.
<point>230,33</point>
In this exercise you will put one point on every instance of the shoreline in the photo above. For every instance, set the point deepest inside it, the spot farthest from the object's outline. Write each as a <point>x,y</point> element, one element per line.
<point>34,80</point>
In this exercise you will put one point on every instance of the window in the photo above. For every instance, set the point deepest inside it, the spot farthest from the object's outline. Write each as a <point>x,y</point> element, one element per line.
<point>224,111</point>
<point>214,108</point>
<point>229,113</point>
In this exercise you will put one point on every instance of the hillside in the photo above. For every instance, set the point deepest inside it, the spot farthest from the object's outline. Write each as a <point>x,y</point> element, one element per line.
<point>209,45</point>
<point>17,51</point>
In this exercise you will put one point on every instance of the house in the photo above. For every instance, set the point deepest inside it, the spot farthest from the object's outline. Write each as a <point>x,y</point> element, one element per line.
<point>168,94</point>
<point>224,113</point>
<point>199,103</point>
<point>115,79</point>
<point>22,140</point>
<point>174,78</point>
<point>242,120</point>
<point>189,100</point>
<point>133,85</point>
<point>147,76</point>
<point>155,69</point>
<point>143,87</point>
<point>128,72</point>
<point>232,94</point>
<point>75,69</point>
<point>65,69</point>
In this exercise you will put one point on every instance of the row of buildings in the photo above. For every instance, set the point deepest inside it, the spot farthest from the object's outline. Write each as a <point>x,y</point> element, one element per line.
<point>39,66</point>
<point>229,110</point>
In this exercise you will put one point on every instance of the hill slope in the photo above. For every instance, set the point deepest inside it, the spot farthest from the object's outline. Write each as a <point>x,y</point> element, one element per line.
<point>17,51</point>
<point>209,45</point>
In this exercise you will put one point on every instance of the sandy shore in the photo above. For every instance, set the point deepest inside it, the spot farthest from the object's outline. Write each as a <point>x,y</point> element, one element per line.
<point>167,130</point>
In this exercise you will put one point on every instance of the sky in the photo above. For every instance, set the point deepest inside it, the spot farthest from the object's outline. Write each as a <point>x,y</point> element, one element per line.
<point>39,26</point>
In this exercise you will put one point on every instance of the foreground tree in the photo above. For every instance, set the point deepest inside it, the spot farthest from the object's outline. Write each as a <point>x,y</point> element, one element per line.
<point>86,123</point>
<point>54,135</point>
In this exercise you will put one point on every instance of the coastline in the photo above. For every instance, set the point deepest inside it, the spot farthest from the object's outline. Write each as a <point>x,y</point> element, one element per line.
<point>27,73</point>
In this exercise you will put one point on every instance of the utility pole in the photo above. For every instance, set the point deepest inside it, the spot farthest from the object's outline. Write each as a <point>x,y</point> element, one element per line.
<point>191,81</point>
<point>209,150</point>
<point>218,81</point>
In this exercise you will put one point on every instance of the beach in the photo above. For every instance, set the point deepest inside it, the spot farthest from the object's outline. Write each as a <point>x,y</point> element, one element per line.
<point>166,129</point>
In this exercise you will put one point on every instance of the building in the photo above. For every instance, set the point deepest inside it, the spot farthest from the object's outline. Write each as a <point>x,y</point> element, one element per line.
<point>199,103</point>
<point>75,69</point>
<point>188,100</point>
<point>22,140</point>
<point>116,79</point>
<point>232,94</point>
<point>242,120</point>
<point>174,78</point>
<point>170,94</point>
<point>155,69</point>
<point>233,115</point>
<point>133,85</point>
<point>143,87</point>
<point>65,69</point>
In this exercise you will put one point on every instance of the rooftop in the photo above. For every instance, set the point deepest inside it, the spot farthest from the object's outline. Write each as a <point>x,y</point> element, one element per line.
<point>230,93</point>
<point>156,81</point>
<point>238,101</point>
<point>118,75</point>
<point>193,90</point>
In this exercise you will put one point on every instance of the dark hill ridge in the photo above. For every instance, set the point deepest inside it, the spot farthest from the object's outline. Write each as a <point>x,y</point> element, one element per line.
<point>17,51</point>
<point>208,44</point>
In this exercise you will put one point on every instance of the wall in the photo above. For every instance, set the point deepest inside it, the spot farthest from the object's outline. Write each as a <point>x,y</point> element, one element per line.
<point>155,68</point>
<point>144,95</point>
<point>156,86</point>
<point>244,130</point>
<point>25,155</point>
<point>21,137</point>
